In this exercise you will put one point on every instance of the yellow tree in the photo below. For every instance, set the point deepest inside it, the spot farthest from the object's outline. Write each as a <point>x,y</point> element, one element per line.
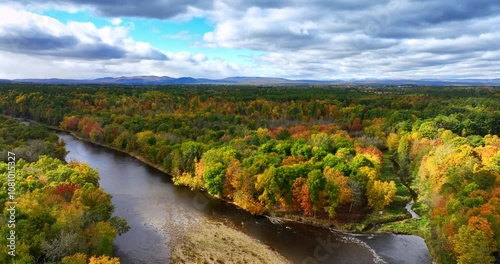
<point>77,258</point>
<point>473,246</point>
<point>103,260</point>
<point>380,194</point>
<point>345,195</point>
<point>233,179</point>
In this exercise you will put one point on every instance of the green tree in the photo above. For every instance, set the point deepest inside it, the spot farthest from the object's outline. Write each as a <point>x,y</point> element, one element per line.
<point>214,178</point>
<point>316,184</point>
<point>333,193</point>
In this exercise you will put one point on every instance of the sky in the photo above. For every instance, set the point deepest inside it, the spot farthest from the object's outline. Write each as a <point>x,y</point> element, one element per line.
<point>296,39</point>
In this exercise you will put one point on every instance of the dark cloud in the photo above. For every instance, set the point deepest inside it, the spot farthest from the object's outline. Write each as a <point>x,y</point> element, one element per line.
<point>153,9</point>
<point>161,9</point>
<point>438,19</point>
<point>435,12</point>
<point>24,41</point>
<point>242,4</point>
<point>35,41</point>
<point>98,51</point>
<point>325,5</point>
<point>343,5</point>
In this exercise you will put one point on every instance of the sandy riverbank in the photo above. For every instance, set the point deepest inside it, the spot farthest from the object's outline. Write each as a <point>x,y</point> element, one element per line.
<point>212,242</point>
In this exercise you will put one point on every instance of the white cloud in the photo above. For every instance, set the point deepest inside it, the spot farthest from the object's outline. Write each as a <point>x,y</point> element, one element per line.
<point>116,21</point>
<point>387,39</point>
<point>36,46</point>
<point>296,39</point>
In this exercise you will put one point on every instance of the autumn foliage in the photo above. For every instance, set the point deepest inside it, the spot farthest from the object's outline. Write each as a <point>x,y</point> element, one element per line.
<point>322,152</point>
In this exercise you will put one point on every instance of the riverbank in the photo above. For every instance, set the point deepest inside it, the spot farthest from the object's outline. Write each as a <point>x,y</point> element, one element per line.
<point>161,216</point>
<point>360,225</point>
<point>357,226</point>
<point>209,243</point>
<point>74,134</point>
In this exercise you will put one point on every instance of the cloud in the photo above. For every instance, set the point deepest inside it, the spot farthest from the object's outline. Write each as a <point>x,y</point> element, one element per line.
<point>436,12</point>
<point>161,9</point>
<point>357,39</point>
<point>296,39</point>
<point>116,21</point>
<point>38,46</point>
<point>28,33</point>
<point>195,65</point>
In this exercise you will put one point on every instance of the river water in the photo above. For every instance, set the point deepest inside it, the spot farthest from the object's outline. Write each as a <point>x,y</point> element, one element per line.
<point>159,212</point>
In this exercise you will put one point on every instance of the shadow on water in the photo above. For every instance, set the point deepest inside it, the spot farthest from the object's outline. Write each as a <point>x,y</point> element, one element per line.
<point>159,213</point>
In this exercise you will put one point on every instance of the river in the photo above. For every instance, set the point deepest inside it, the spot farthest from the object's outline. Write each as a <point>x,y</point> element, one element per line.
<point>159,212</point>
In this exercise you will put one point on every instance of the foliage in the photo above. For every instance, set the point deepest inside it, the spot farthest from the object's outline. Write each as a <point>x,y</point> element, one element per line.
<point>57,203</point>
<point>60,217</point>
<point>380,194</point>
<point>341,150</point>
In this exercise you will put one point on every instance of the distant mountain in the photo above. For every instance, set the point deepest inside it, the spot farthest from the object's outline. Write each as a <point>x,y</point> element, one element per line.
<point>163,80</point>
<point>258,80</point>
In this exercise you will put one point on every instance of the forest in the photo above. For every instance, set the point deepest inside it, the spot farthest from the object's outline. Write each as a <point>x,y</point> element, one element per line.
<point>61,213</point>
<point>341,156</point>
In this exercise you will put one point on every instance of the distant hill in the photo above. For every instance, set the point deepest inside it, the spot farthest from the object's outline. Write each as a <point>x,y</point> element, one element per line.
<point>163,80</point>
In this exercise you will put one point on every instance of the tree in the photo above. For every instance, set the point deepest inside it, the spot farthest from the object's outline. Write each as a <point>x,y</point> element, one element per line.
<point>428,129</point>
<point>315,184</point>
<point>58,216</point>
<point>333,193</point>
<point>33,149</point>
<point>103,260</point>
<point>345,195</point>
<point>380,194</point>
<point>361,160</point>
<point>322,140</point>
<point>300,148</point>
<point>265,184</point>
<point>184,158</point>
<point>233,179</point>
<point>101,237</point>
<point>62,245</point>
<point>403,157</point>
<point>214,178</point>
<point>302,196</point>
<point>495,162</point>
<point>484,177</point>
<point>77,258</point>
<point>473,246</point>
<point>365,175</point>
<point>331,160</point>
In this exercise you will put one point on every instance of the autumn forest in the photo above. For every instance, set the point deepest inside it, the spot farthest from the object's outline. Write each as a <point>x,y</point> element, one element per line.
<point>345,157</point>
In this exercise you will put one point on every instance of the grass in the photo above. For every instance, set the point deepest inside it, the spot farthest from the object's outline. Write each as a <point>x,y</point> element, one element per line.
<point>417,227</point>
<point>421,208</point>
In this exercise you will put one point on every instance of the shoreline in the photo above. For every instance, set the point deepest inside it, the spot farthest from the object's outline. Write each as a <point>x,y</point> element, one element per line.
<point>294,219</point>
<point>303,220</point>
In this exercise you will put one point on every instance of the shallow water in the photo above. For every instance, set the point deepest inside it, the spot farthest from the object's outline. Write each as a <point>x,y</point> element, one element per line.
<point>159,213</point>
